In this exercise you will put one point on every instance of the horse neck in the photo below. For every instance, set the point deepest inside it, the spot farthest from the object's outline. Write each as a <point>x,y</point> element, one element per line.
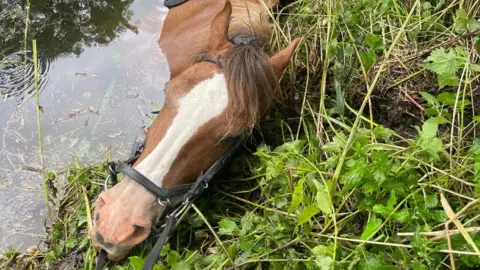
<point>250,18</point>
<point>185,33</point>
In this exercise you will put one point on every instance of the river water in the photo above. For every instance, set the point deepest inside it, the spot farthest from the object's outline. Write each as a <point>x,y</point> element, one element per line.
<point>101,75</point>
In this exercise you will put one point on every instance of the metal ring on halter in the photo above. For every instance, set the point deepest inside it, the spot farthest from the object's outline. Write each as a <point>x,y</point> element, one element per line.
<point>205,185</point>
<point>164,203</point>
<point>105,184</point>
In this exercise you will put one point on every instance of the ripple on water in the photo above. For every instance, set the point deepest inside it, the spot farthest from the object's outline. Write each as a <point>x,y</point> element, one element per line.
<point>17,78</point>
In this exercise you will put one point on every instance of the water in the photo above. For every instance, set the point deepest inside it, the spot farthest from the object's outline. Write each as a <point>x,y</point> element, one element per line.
<point>100,71</point>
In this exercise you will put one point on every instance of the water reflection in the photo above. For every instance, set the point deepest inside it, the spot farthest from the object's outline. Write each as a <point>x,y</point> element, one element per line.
<point>60,27</point>
<point>101,70</point>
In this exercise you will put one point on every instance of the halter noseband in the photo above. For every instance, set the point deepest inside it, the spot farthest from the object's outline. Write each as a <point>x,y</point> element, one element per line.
<point>176,199</point>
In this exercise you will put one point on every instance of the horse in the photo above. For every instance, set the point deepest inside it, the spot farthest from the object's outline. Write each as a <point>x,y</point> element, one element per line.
<point>221,83</point>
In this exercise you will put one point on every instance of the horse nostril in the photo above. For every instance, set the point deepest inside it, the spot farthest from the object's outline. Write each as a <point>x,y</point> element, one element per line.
<point>138,231</point>
<point>102,242</point>
<point>99,238</point>
<point>97,216</point>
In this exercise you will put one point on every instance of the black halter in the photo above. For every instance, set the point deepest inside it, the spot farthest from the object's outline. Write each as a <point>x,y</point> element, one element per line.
<point>175,200</point>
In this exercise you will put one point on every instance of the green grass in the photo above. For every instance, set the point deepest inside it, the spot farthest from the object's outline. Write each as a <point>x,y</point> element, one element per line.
<point>376,159</point>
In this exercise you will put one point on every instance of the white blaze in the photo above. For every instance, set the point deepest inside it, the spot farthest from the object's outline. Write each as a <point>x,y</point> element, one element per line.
<point>204,102</point>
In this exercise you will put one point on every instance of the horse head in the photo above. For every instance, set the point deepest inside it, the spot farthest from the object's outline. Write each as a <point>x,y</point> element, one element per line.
<point>206,105</point>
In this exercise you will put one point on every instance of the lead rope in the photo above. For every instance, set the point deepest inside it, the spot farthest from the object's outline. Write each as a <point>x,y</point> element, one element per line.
<point>101,258</point>
<point>153,255</point>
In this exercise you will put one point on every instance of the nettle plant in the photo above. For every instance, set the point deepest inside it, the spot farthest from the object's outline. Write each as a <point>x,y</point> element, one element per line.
<point>454,65</point>
<point>448,63</point>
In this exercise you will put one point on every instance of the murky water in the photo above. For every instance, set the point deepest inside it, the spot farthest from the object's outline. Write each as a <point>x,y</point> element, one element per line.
<point>101,75</point>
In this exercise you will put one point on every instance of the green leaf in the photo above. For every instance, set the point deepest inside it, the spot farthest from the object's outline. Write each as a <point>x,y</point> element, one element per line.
<point>371,227</point>
<point>448,80</point>
<point>381,132</point>
<point>246,243</point>
<point>165,250</point>
<point>431,111</point>
<point>444,63</point>
<point>418,266</point>
<point>392,201</point>
<point>473,25</point>
<point>323,200</point>
<point>323,262</point>
<point>307,213</point>
<point>83,243</point>
<point>232,250</point>
<point>331,147</point>
<point>368,59</point>
<point>340,139</point>
<point>353,177</point>
<point>247,223</point>
<point>476,118</point>
<point>297,197</point>
<point>431,100</point>
<point>70,243</point>
<point>429,130</point>
<point>447,98</point>
<point>320,250</point>
<point>431,201</point>
<point>374,42</point>
<point>439,120</point>
<point>381,168</point>
<point>475,67</point>
<point>181,265</point>
<point>136,262</point>
<point>402,216</point>
<point>386,5</point>
<point>418,242</point>
<point>227,226</point>
<point>82,220</point>
<point>382,210</point>
<point>439,216</point>
<point>461,21</point>
<point>173,258</point>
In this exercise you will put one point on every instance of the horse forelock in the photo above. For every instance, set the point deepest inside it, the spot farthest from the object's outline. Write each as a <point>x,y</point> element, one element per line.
<point>251,83</point>
<point>250,77</point>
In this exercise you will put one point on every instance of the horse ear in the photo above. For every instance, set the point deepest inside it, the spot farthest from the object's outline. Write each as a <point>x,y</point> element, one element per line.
<point>280,60</point>
<point>219,27</point>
